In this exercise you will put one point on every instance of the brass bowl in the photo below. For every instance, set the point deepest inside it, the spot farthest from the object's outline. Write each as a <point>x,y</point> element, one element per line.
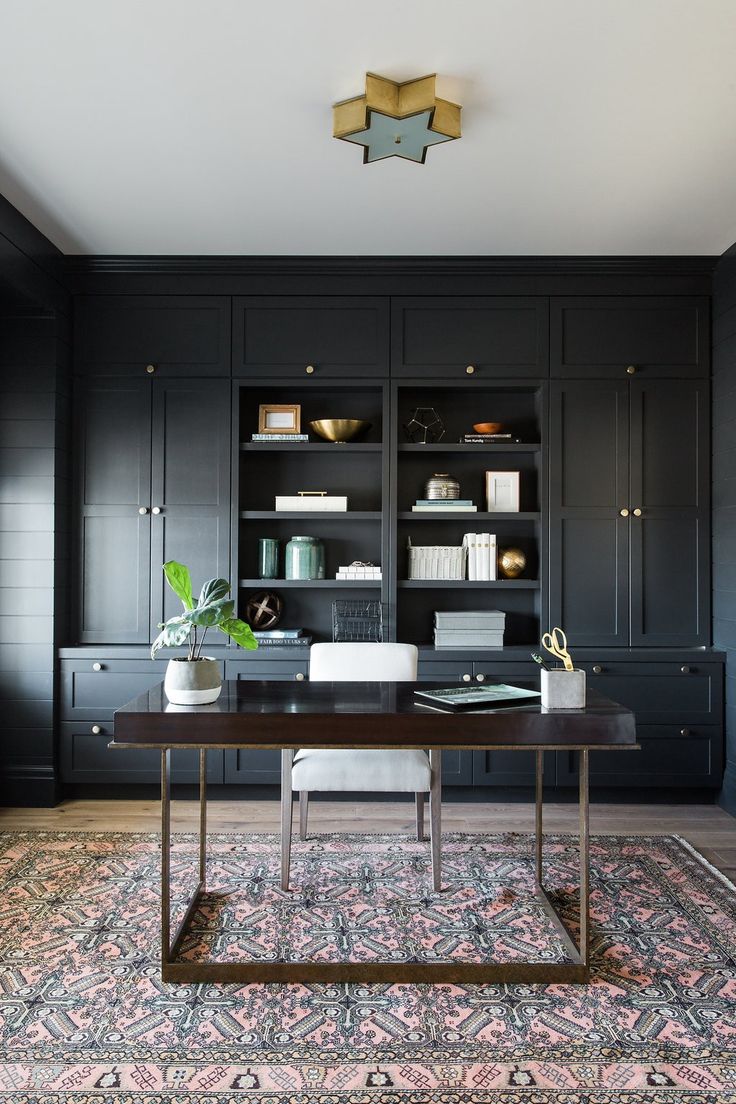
<point>488,427</point>
<point>339,430</point>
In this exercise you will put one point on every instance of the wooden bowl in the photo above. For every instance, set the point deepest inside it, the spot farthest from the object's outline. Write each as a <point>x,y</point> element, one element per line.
<point>339,430</point>
<point>488,427</point>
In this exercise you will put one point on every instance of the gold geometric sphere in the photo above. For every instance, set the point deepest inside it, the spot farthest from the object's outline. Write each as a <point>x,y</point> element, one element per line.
<point>511,562</point>
<point>396,119</point>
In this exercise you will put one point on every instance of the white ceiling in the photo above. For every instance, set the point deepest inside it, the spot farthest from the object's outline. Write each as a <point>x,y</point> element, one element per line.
<point>204,126</point>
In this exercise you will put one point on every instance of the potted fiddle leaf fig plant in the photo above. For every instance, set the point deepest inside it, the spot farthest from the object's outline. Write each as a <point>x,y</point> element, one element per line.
<point>194,679</point>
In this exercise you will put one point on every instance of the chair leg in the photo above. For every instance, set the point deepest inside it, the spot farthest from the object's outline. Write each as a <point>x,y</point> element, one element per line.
<point>303,813</point>
<point>435,818</point>
<point>420,815</point>
<point>287,757</point>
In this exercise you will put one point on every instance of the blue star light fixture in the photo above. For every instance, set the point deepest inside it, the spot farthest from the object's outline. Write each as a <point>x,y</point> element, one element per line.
<point>396,120</point>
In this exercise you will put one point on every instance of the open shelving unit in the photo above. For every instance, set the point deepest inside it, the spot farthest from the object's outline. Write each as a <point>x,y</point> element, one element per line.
<point>383,474</point>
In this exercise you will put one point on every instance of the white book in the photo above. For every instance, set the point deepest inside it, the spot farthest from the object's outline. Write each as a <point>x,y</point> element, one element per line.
<point>469,540</point>
<point>312,503</point>
<point>493,558</point>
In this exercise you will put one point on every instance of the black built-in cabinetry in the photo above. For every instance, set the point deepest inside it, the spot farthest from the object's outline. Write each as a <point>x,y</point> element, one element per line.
<point>621,425</point>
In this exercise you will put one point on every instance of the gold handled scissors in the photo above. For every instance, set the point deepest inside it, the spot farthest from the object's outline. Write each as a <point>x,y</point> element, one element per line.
<point>556,644</point>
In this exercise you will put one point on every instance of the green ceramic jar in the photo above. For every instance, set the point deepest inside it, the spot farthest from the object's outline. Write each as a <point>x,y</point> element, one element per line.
<point>305,558</point>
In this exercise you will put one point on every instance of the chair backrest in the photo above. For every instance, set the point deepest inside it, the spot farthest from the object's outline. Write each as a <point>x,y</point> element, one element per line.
<point>363,662</point>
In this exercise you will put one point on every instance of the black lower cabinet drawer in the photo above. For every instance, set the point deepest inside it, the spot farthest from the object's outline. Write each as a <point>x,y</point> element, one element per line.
<point>662,693</point>
<point>91,690</point>
<point>85,757</point>
<point>670,756</point>
<point>510,768</point>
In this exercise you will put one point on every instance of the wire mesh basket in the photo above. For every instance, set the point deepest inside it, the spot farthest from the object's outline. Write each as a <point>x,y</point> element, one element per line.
<point>355,619</point>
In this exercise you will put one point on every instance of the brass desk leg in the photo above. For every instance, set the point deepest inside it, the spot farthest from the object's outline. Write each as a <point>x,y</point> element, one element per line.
<point>584,860</point>
<point>538,817</point>
<point>169,947</point>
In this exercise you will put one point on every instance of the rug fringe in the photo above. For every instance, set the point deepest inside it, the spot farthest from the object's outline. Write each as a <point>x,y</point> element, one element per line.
<point>702,859</point>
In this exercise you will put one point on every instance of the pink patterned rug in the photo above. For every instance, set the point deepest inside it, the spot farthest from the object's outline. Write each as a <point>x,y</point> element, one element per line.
<point>84,1018</point>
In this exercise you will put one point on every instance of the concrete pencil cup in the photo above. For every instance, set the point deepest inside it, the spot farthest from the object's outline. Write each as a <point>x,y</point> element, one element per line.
<point>563,689</point>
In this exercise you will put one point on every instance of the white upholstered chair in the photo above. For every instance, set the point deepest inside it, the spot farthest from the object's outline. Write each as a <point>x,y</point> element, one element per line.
<point>362,769</point>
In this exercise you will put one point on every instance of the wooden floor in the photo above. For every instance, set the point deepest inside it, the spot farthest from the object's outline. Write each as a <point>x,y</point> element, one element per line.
<point>708,828</point>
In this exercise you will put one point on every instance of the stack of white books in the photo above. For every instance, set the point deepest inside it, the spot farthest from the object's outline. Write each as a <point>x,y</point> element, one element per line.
<point>437,562</point>
<point>469,628</point>
<point>364,572</point>
<point>482,556</point>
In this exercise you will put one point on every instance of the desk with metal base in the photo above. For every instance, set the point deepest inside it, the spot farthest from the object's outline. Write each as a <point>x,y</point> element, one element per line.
<point>610,727</point>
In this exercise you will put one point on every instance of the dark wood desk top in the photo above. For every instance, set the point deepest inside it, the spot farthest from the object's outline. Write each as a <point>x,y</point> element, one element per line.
<point>359,714</point>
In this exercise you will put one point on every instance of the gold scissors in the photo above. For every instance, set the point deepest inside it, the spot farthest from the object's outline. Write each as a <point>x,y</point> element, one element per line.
<point>556,644</point>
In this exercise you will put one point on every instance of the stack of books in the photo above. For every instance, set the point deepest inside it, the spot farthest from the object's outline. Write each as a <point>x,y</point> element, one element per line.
<point>283,638</point>
<point>482,556</point>
<point>489,439</point>
<point>444,505</point>
<point>282,437</point>
<point>360,571</point>
<point>469,629</point>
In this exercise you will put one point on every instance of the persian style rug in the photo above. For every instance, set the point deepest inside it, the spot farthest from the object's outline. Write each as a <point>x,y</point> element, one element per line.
<point>85,1019</point>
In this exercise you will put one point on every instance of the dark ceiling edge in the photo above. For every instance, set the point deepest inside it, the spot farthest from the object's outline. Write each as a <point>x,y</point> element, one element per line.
<point>395,266</point>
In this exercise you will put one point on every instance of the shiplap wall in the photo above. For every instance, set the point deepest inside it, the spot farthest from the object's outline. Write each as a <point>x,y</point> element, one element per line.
<point>34,409</point>
<point>724,498</point>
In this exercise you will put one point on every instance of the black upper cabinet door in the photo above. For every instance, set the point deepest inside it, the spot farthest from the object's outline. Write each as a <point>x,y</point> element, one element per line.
<point>670,536</point>
<point>113,419</point>
<point>602,337</point>
<point>472,338</point>
<point>190,494</point>
<point>177,335</point>
<point>310,337</point>
<point>589,487</point>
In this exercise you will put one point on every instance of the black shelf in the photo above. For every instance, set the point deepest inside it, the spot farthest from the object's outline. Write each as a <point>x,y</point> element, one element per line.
<point>443,515</point>
<point>315,584</point>
<point>469,584</point>
<point>480,449</point>
<point>310,515</point>
<point>308,446</point>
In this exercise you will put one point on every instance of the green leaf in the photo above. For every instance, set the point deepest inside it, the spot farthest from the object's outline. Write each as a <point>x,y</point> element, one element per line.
<point>213,613</point>
<point>180,581</point>
<point>213,590</point>
<point>173,635</point>
<point>240,632</point>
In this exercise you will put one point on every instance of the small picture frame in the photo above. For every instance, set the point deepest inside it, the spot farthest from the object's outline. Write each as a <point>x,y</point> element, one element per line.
<point>279,418</point>
<point>502,492</point>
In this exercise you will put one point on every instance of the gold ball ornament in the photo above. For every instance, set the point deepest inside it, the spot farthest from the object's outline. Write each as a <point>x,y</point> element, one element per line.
<point>511,562</point>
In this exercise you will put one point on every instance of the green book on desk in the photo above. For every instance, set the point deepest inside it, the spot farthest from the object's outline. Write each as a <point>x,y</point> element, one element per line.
<point>476,697</point>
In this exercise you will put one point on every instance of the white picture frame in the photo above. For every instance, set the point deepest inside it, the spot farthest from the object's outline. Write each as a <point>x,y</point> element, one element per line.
<point>502,492</point>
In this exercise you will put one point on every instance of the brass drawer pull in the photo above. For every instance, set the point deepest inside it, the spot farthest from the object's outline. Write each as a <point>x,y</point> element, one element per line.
<point>150,368</point>
<point>631,369</point>
<point>309,369</point>
<point>597,669</point>
<point>470,370</point>
<point>685,669</point>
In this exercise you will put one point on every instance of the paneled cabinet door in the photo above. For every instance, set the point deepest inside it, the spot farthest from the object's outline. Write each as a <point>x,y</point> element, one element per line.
<point>457,765</point>
<point>161,335</point>
<point>113,467</point>
<point>190,487</point>
<point>473,337</point>
<point>652,336</point>
<point>312,337</point>
<point>589,531</point>
<point>669,521</point>
<point>85,757</point>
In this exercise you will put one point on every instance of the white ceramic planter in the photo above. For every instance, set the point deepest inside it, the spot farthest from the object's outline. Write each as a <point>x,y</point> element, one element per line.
<point>195,682</point>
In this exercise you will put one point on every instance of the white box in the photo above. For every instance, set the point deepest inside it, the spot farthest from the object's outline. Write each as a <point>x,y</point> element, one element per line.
<point>312,503</point>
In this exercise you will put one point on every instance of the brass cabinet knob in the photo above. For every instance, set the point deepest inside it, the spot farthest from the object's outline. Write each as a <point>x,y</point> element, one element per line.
<point>480,678</point>
<point>685,669</point>
<point>466,678</point>
<point>156,510</point>
<point>470,369</point>
<point>96,730</point>
<point>624,512</point>
<point>309,369</point>
<point>299,676</point>
<point>150,368</point>
<point>631,369</point>
<point>684,731</point>
<point>636,512</point>
<point>597,669</point>
<point>96,666</point>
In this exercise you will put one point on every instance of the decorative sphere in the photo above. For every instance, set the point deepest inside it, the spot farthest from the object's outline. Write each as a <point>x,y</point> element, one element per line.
<point>511,562</point>
<point>425,427</point>
<point>264,610</point>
